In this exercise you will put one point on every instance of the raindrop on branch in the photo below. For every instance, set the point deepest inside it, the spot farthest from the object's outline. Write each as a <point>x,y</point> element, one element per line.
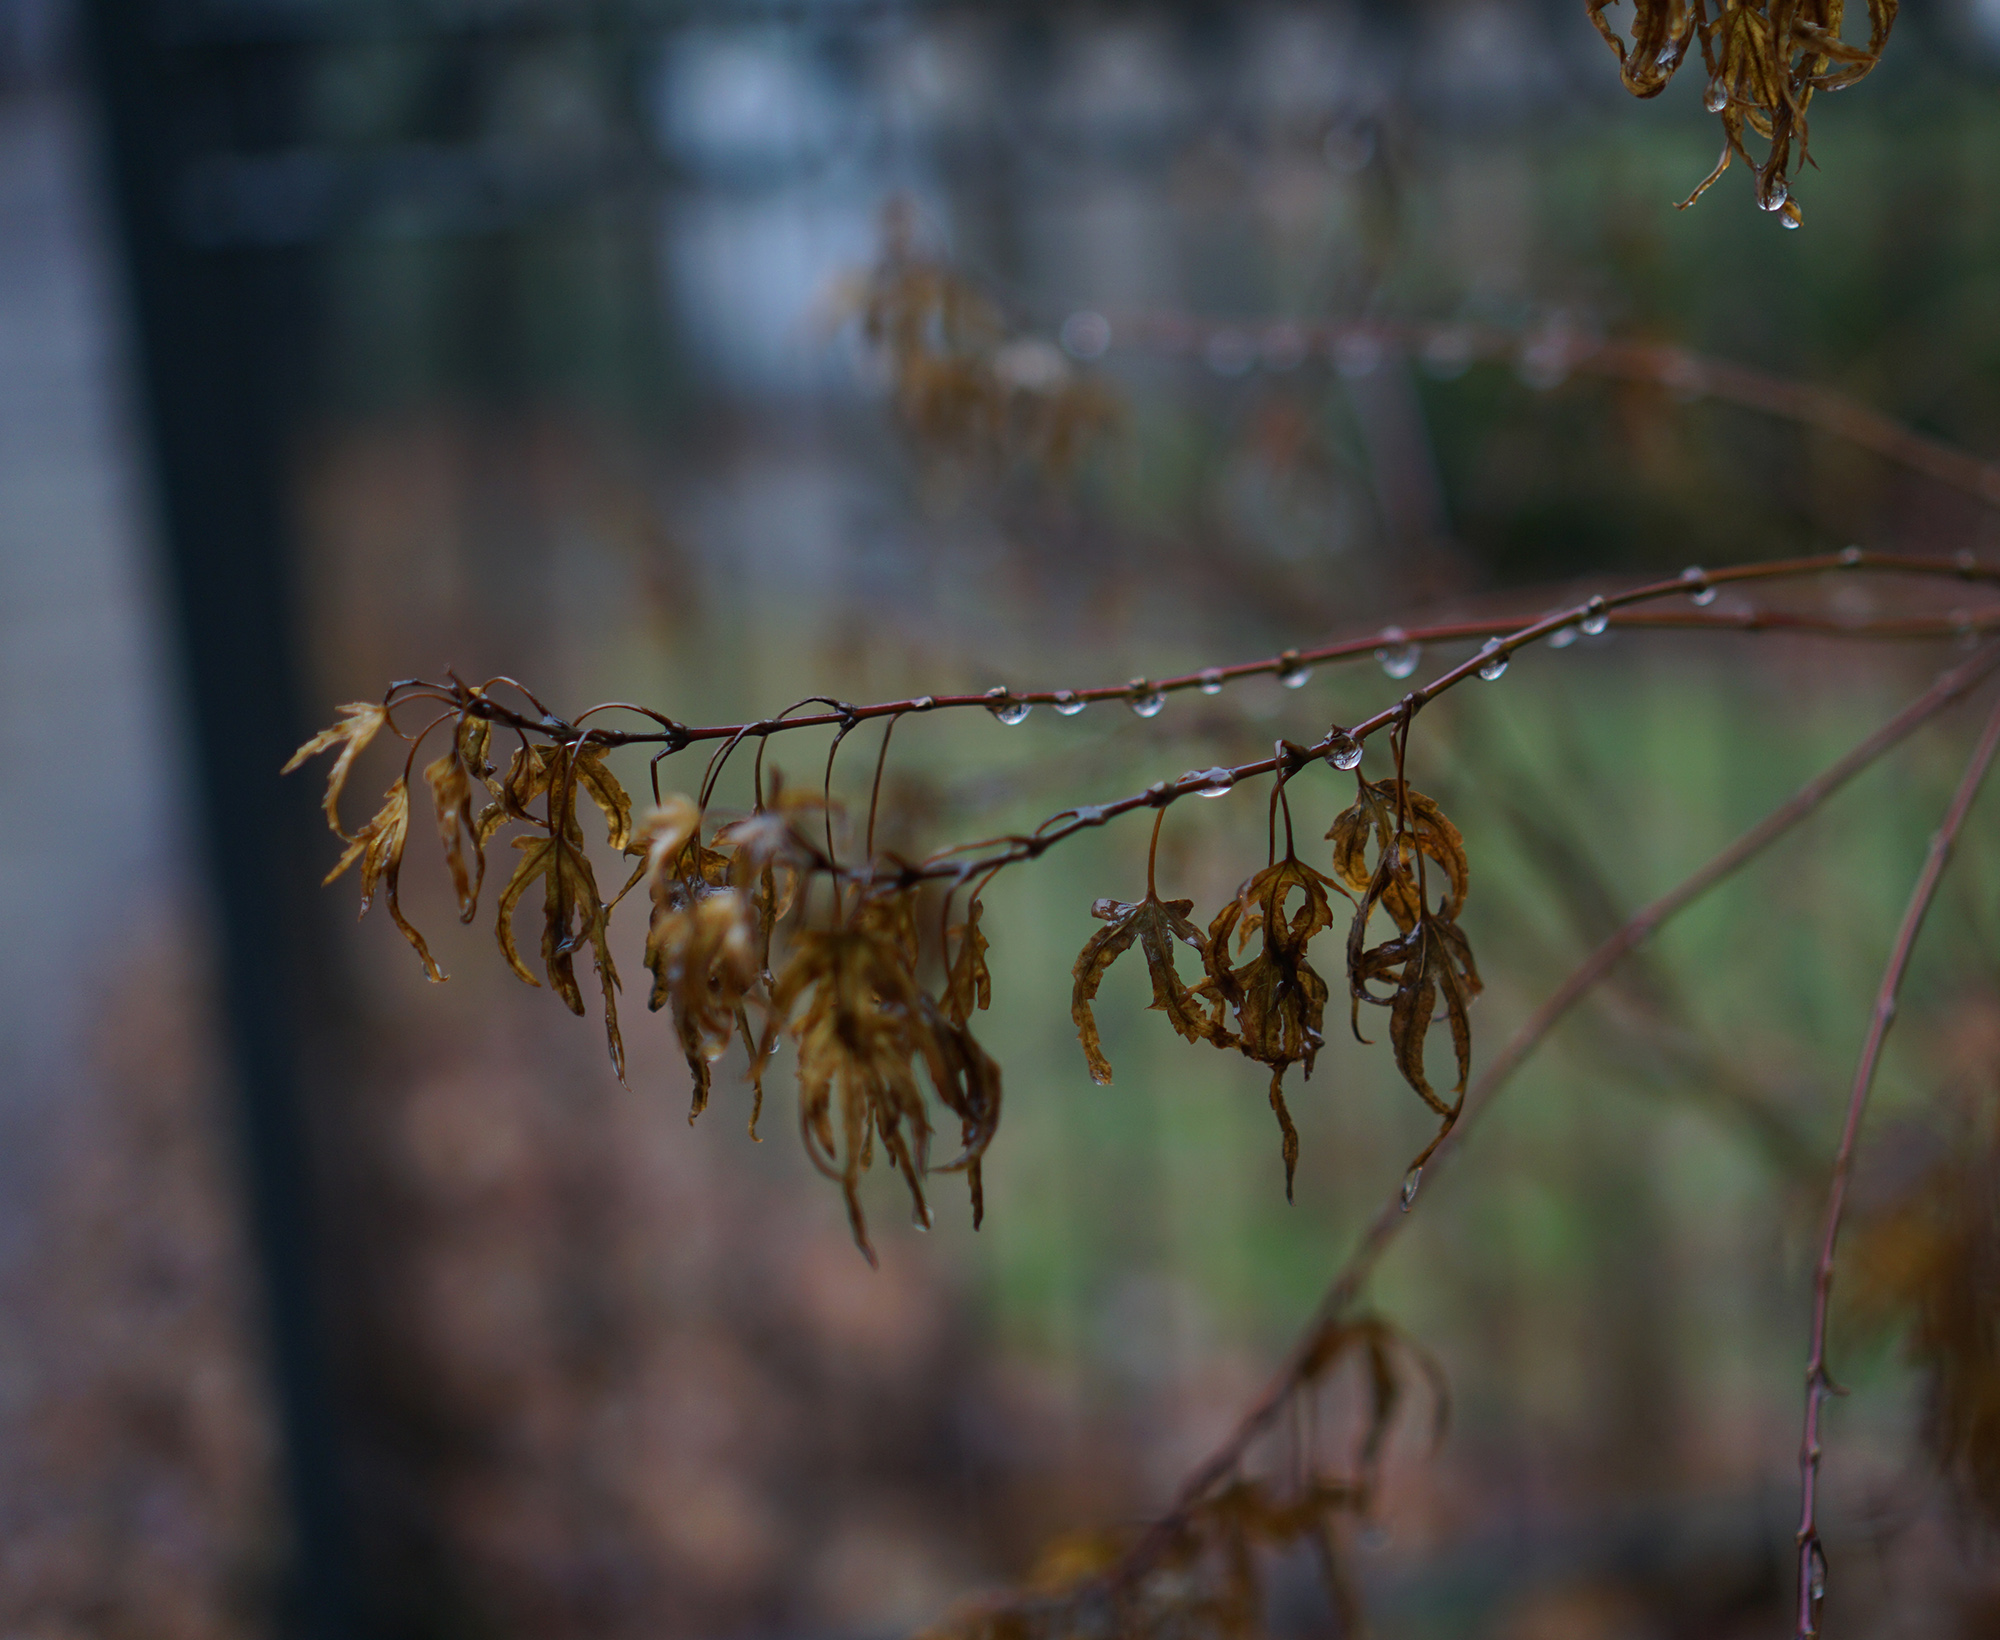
<point>1398,656</point>
<point>1700,593</point>
<point>1293,673</point>
<point>1411,1180</point>
<point>1146,698</point>
<point>1006,707</point>
<point>1067,704</point>
<point>1211,681</point>
<point>1594,619</point>
<point>1209,782</point>
<point>1562,637</point>
<point>1343,751</point>
<point>1494,667</point>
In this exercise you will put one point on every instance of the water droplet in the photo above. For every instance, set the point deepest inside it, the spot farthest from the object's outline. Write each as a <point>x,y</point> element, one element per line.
<point>1398,656</point>
<point>1146,700</point>
<point>1091,814</point>
<point>1594,619</point>
<point>1447,355</point>
<point>1086,335</point>
<point>1066,703</point>
<point>920,1216</point>
<point>1343,751</point>
<point>1791,216</point>
<point>1775,193</point>
<point>1717,98</point>
<point>1966,560</point>
<point>1209,782</point>
<point>1006,708</point>
<point>1211,681</point>
<point>1293,673</point>
<point>1495,666</point>
<point>1850,556</point>
<point>923,703</point>
<point>1816,1573</point>
<point>1356,354</point>
<point>1700,592</point>
<point>1411,1180</point>
<point>1562,637</point>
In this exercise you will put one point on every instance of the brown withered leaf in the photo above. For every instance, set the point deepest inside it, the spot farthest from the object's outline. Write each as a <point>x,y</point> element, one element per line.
<point>1278,998</point>
<point>968,984</point>
<point>858,1039</point>
<point>572,913</point>
<point>1155,924</point>
<point>1429,956</point>
<point>379,847</point>
<point>546,768</point>
<point>967,1079</point>
<point>700,943</point>
<point>450,778</point>
<point>1765,59</point>
<point>360,722</point>
<point>1380,810</point>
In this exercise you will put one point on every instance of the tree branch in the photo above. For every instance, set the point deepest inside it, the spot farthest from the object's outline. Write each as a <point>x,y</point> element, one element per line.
<point>1819,1384</point>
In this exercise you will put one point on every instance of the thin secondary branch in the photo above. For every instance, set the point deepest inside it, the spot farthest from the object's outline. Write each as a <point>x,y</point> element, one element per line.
<point>1819,1384</point>
<point>1556,351</point>
<point>1354,1273</point>
<point>1618,609</point>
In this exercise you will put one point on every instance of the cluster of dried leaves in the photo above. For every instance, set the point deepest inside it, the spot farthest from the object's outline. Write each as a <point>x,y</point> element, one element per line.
<point>1387,848</point>
<point>1208,1568</point>
<point>847,990</point>
<point>961,382</point>
<point>1765,60</point>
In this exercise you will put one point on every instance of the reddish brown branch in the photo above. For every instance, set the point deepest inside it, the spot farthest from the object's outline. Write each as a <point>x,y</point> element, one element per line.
<point>1353,1275</point>
<point>1556,352</point>
<point>1819,1384</point>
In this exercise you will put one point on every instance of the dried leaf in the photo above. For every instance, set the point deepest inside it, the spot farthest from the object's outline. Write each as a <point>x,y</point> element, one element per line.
<point>450,779</point>
<point>1429,955</point>
<point>360,721</point>
<point>968,983</point>
<point>1155,924</point>
<point>544,769</point>
<point>572,913</point>
<point>1278,998</point>
<point>379,847</point>
<point>1765,60</point>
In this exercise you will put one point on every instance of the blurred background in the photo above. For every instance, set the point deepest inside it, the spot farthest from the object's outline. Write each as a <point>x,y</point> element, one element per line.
<point>348,340</point>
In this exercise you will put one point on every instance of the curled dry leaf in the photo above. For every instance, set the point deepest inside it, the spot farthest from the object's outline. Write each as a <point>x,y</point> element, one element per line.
<point>450,779</point>
<point>549,769</point>
<point>1155,924</point>
<point>701,944</point>
<point>360,722</point>
<point>572,913</point>
<point>858,1040</point>
<point>1765,60</point>
<point>1429,955</point>
<point>1278,998</point>
<point>379,847</point>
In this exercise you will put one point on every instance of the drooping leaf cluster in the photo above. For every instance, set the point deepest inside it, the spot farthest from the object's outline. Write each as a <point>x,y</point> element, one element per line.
<point>845,989</point>
<point>961,382</point>
<point>1271,1006</point>
<point>1765,60</point>
<point>1205,1570</point>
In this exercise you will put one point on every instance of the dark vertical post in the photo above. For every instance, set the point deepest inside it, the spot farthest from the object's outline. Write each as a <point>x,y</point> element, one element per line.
<point>222,335</point>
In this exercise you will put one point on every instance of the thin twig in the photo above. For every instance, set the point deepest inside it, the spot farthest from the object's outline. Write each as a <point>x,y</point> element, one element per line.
<point>1558,352</point>
<point>1819,1383</point>
<point>1354,1273</point>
